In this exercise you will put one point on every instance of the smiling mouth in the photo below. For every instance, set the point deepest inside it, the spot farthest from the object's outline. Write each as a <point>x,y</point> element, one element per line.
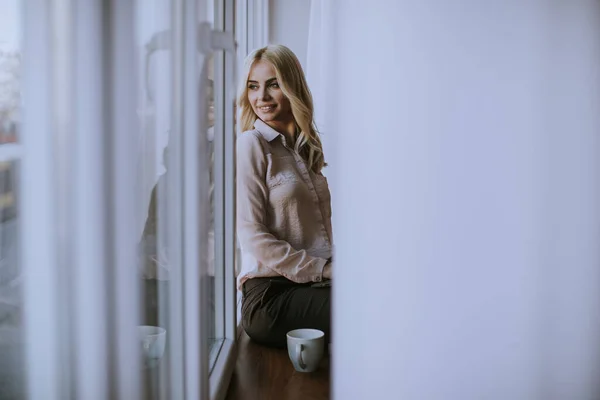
<point>266,108</point>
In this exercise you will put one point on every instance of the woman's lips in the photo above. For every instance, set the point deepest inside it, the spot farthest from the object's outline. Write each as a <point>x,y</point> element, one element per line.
<point>266,108</point>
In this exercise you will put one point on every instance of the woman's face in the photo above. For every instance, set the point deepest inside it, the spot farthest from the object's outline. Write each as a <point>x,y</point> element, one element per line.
<point>265,95</point>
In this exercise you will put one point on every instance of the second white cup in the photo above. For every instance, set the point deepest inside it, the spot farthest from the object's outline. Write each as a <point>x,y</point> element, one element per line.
<point>153,340</point>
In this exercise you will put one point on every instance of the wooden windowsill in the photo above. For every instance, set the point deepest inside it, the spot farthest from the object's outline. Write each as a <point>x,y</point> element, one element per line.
<point>265,373</point>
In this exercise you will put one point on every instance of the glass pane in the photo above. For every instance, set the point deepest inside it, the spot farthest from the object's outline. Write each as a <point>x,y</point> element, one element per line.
<point>153,23</point>
<point>161,193</point>
<point>213,245</point>
<point>215,139</point>
<point>12,356</point>
<point>10,70</point>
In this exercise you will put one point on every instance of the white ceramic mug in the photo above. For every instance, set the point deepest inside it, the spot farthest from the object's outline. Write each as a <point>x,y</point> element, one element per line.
<point>153,340</point>
<point>305,348</point>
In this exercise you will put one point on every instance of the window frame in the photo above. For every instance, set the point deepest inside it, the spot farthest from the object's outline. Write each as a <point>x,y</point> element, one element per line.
<point>224,96</point>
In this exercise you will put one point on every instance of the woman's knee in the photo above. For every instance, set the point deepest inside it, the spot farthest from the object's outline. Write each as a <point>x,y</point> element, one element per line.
<point>261,329</point>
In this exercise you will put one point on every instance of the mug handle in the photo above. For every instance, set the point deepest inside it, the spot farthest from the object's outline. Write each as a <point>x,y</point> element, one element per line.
<point>299,348</point>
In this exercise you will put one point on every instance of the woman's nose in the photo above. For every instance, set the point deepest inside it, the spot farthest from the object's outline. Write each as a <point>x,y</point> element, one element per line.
<point>264,94</point>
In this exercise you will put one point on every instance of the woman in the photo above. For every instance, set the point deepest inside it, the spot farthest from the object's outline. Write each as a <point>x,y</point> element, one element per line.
<point>283,202</point>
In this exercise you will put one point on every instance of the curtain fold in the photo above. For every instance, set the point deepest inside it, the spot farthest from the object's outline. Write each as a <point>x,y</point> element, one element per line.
<point>320,68</point>
<point>319,60</point>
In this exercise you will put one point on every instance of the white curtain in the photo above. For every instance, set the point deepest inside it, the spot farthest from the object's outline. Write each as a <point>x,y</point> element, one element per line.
<point>319,71</point>
<point>318,61</point>
<point>482,170</point>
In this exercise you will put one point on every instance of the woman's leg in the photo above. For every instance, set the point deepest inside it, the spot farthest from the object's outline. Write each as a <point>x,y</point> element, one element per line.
<point>271,307</point>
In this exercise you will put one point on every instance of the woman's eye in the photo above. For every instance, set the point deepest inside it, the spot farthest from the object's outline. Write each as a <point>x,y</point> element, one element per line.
<point>275,85</point>
<point>252,87</point>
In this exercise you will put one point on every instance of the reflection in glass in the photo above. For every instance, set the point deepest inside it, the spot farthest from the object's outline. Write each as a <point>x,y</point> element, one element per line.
<point>153,21</point>
<point>10,95</point>
<point>157,184</point>
<point>213,342</point>
<point>215,256</point>
<point>12,355</point>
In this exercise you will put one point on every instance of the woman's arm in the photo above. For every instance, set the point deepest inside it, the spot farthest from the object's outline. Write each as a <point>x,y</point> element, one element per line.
<point>279,255</point>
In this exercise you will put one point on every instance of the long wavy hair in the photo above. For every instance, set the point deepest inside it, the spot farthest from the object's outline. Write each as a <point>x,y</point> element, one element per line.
<point>293,85</point>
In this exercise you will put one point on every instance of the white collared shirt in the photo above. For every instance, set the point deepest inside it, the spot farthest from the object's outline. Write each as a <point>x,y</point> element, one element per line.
<point>283,210</point>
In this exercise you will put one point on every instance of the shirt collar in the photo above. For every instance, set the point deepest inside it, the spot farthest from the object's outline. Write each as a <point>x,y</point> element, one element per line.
<point>265,130</point>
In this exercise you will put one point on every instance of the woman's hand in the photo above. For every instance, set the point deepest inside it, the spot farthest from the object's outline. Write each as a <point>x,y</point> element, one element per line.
<point>327,271</point>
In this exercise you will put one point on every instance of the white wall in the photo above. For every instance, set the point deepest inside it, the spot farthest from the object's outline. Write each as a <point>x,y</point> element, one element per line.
<point>467,226</point>
<point>288,25</point>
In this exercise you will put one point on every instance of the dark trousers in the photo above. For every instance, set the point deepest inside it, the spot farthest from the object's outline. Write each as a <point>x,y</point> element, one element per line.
<point>271,307</point>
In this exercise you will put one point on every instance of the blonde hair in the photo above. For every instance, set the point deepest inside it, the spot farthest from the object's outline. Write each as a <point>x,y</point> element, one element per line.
<point>293,85</point>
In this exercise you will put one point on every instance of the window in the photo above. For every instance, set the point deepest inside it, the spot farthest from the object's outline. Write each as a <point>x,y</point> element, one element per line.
<point>116,199</point>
